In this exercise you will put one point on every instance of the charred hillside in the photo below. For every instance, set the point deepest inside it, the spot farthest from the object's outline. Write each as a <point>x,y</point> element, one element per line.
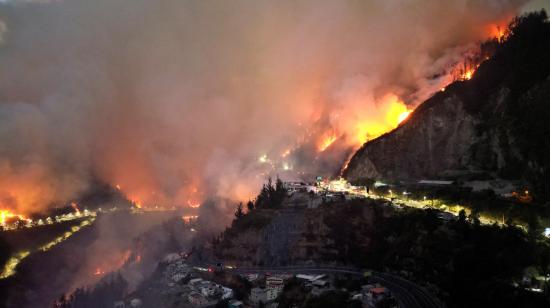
<point>493,126</point>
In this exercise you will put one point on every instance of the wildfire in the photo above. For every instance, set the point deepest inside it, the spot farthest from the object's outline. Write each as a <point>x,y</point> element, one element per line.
<point>136,202</point>
<point>467,75</point>
<point>188,218</point>
<point>326,141</point>
<point>393,111</point>
<point>403,116</point>
<point>98,272</point>
<point>193,204</point>
<point>75,207</point>
<point>6,215</point>
<point>498,33</point>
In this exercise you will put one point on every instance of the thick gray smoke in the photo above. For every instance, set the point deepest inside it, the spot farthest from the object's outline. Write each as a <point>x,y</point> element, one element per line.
<point>172,100</point>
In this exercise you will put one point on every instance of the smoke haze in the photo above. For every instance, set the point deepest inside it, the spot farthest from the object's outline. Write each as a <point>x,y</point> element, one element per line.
<point>176,100</point>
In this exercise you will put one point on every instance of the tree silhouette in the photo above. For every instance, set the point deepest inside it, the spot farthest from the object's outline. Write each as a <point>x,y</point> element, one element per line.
<point>239,212</point>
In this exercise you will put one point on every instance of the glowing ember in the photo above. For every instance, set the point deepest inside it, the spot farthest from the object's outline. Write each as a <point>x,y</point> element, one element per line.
<point>326,142</point>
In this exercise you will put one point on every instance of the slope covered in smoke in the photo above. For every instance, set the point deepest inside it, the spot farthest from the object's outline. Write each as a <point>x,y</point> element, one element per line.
<point>174,100</point>
<point>495,125</point>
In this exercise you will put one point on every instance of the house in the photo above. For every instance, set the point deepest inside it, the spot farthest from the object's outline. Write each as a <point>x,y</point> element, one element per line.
<point>135,303</point>
<point>274,286</point>
<point>208,289</point>
<point>119,304</point>
<point>178,276</point>
<point>227,292</point>
<point>197,299</point>
<point>258,295</point>
<point>251,277</point>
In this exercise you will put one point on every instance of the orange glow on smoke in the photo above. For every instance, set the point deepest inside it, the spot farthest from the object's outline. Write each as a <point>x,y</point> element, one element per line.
<point>136,202</point>
<point>188,218</point>
<point>193,204</point>
<point>115,261</point>
<point>326,141</point>
<point>98,272</point>
<point>285,153</point>
<point>393,112</point>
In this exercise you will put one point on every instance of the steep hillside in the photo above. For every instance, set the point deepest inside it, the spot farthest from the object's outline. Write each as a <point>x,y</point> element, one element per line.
<point>496,125</point>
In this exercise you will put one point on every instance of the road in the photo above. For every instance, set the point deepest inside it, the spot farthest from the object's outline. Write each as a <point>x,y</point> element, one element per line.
<point>407,293</point>
<point>342,186</point>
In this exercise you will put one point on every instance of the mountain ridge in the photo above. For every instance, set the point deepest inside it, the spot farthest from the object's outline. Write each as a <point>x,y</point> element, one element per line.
<point>482,128</point>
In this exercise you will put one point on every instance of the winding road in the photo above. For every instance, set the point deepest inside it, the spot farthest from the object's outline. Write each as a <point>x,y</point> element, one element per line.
<point>407,293</point>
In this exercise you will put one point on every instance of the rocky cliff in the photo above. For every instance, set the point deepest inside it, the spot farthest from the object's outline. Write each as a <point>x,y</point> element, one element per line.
<point>496,125</point>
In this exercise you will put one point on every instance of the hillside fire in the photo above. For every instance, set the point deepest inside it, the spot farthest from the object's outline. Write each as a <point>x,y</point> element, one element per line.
<point>326,141</point>
<point>8,218</point>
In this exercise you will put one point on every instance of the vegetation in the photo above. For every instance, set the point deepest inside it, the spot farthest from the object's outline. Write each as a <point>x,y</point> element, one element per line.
<point>271,196</point>
<point>103,294</point>
<point>465,263</point>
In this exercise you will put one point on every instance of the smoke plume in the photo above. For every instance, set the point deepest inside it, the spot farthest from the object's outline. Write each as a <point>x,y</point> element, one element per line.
<point>176,100</point>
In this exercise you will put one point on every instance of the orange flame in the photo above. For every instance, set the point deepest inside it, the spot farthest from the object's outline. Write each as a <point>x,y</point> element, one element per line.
<point>326,141</point>
<point>403,116</point>
<point>393,112</point>
<point>498,32</point>
<point>467,75</point>
<point>75,207</point>
<point>6,215</point>
<point>188,218</point>
<point>98,272</point>
<point>193,204</point>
